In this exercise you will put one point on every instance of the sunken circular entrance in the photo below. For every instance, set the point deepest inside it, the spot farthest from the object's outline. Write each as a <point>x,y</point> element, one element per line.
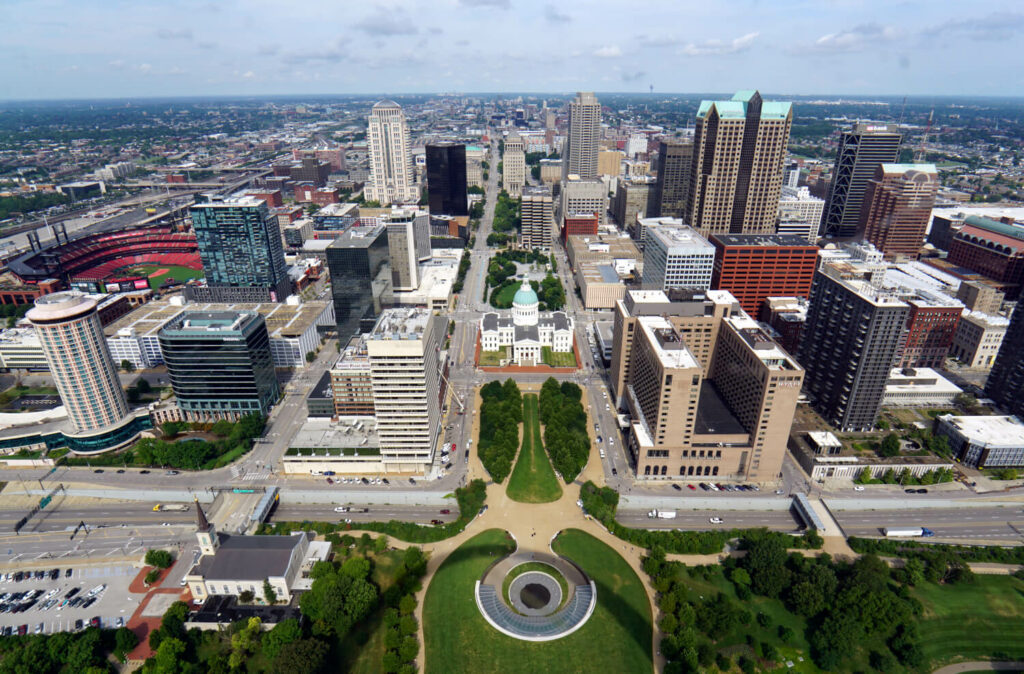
<point>535,596</point>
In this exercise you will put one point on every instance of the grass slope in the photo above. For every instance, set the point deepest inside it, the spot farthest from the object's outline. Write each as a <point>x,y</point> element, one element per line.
<point>617,637</point>
<point>557,358</point>
<point>533,480</point>
<point>972,621</point>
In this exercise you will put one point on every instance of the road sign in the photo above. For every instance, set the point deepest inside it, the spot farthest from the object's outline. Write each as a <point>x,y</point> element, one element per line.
<point>45,501</point>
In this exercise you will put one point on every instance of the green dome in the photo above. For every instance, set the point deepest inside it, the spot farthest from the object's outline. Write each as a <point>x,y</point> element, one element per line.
<point>525,295</point>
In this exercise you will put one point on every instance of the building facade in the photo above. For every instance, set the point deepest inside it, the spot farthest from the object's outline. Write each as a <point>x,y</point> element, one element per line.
<point>992,248</point>
<point>584,139</point>
<point>672,190</point>
<point>676,256</point>
<point>977,339</point>
<point>446,179</point>
<point>800,213</point>
<point>513,165</point>
<point>984,442</point>
<point>219,364</point>
<point>537,218</point>
<point>356,261</point>
<point>897,208</point>
<point>736,172</point>
<point>754,267</point>
<point>931,327</point>
<point>83,371</point>
<point>633,199</point>
<point>391,173</point>
<point>1005,383</point>
<point>854,333</point>
<point>241,249</point>
<point>861,151</point>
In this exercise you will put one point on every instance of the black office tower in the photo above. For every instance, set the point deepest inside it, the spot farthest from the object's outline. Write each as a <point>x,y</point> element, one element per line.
<point>355,261</point>
<point>673,187</point>
<point>861,150</point>
<point>446,179</point>
<point>1005,383</point>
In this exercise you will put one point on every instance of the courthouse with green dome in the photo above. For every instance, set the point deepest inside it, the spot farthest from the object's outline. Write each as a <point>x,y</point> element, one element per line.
<point>527,331</point>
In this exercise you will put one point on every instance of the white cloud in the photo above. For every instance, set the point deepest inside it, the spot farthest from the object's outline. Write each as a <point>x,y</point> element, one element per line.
<point>719,47</point>
<point>855,39</point>
<point>552,15</point>
<point>608,52</point>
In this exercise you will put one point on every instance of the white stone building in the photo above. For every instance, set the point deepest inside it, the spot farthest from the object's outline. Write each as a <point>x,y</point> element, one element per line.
<point>526,331</point>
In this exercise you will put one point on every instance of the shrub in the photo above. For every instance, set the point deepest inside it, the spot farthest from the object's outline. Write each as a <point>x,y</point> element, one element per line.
<point>161,559</point>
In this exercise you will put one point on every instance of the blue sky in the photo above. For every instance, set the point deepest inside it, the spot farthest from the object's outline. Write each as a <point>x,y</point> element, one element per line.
<point>120,48</point>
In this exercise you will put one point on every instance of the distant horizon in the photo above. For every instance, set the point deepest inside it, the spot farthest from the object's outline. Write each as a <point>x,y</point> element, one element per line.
<point>568,93</point>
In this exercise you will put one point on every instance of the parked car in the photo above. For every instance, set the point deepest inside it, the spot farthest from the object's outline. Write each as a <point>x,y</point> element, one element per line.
<point>858,488</point>
<point>78,625</point>
<point>330,481</point>
<point>676,487</point>
<point>67,574</point>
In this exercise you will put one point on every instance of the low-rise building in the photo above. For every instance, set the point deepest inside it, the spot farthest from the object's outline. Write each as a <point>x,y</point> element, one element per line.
<point>526,331</point>
<point>600,285</point>
<point>978,338</point>
<point>20,350</point>
<point>918,387</point>
<point>984,441</point>
<point>823,456</point>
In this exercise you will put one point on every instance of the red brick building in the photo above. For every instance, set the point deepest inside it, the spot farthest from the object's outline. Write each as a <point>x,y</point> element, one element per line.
<point>754,267</point>
<point>897,207</point>
<point>994,249</point>
<point>307,193</point>
<point>931,326</point>
<point>273,198</point>
<point>579,223</point>
<point>13,291</point>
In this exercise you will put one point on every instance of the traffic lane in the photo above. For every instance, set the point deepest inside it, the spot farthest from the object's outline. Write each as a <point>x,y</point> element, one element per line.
<point>375,513</point>
<point>700,520</point>
<point>925,517</point>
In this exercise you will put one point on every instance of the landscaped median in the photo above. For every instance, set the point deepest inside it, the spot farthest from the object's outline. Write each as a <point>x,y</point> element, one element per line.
<point>533,480</point>
<point>470,499</point>
<point>601,503</point>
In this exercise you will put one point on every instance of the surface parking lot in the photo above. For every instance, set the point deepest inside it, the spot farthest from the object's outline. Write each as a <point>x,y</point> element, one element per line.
<point>112,603</point>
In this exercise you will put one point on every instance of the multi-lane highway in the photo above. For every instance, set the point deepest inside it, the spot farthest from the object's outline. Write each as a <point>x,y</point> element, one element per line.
<point>1004,523</point>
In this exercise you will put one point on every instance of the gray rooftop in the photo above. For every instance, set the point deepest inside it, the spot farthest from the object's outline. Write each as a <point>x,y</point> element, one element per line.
<point>713,415</point>
<point>254,558</point>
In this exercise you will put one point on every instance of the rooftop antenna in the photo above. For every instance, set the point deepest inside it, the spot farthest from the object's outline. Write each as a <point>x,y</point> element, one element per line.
<point>903,109</point>
<point>924,139</point>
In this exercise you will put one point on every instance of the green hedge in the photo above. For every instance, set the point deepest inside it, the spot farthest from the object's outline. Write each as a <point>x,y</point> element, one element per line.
<point>912,549</point>
<point>470,499</point>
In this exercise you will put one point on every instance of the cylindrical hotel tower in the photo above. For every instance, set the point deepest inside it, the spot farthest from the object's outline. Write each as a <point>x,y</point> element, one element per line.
<point>72,339</point>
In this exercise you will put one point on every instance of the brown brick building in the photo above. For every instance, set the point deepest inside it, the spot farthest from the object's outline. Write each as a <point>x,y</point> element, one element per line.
<point>754,267</point>
<point>897,207</point>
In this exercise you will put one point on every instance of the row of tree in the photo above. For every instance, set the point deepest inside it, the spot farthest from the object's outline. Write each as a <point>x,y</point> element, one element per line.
<point>565,427</point>
<point>85,651</point>
<point>501,412</point>
<point>904,477</point>
<point>506,213</point>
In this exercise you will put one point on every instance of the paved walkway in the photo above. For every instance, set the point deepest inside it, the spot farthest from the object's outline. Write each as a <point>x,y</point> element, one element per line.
<point>981,665</point>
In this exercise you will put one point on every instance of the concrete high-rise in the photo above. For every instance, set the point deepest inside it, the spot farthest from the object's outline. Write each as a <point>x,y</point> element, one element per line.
<point>513,165</point>
<point>584,195</point>
<point>897,208</point>
<point>408,245</point>
<point>1005,383</point>
<point>404,350</point>
<point>446,179</point>
<point>676,256</point>
<point>76,350</point>
<point>241,250</point>
<point>584,138</point>
<point>853,336</point>
<point>861,151</point>
<point>709,392</point>
<point>673,187</point>
<point>537,217</point>
<point>219,364</point>
<point>358,263</point>
<point>739,151</point>
<point>391,175</point>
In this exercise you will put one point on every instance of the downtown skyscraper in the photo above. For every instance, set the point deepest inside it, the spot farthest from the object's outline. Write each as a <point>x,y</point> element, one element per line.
<point>861,151</point>
<point>584,136</point>
<point>738,154</point>
<point>446,179</point>
<point>391,177</point>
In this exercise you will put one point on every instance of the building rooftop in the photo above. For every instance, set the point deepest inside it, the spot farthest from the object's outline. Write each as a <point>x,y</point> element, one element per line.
<point>320,433</point>
<point>359,236</point>
<point>283,320</point>
<point>904,168</point>
<point>917,379</point>
<point>667,343</point>
<point>254,558</point>
<point>760,343</point>
<point>401,324</point>
<point>737,107</point>
<point>987,319</point>
<point>678,238</point>
<point>989,431</point>
<point>209,322</point>
<point>347,208</point>
<point>762,240</point>
<point>235,201</point>
<point>713,415</point>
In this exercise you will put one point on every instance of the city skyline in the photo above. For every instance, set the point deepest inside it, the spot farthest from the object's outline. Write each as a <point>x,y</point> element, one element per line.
<point>198,48</point>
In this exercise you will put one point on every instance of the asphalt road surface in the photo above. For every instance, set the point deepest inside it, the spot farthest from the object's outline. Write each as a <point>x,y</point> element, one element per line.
<point>997,523</point>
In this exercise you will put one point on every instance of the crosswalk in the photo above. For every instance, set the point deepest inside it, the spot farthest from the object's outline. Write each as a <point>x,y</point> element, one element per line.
<point>253,476</point>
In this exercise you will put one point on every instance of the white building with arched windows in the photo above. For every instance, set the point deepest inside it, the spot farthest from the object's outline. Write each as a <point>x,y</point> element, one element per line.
<point>526,330</point>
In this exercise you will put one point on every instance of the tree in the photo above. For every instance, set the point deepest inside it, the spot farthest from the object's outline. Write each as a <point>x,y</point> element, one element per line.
<point>303,656</point>
<point>310,356</point>
<point>766,564</point>
<point>161,559</point>
<point>133,395</point>
<point>890,446</point>
<point>268,592</point>
<point>143,386</point>
<point>246,596</point>
<point>285,632</point>
<point>127,365</point>
<point>171,650</point>
<point>124,641</point>
<point>152,576</point>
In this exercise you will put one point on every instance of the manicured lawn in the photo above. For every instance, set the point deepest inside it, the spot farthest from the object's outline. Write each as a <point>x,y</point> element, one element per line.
<point>972,621</point>
<point>492,358</point>
<point>617,638</point>
<point>173,271</point>
<point>533,480</point>
<point>557,359</point>
<point>503,299</point>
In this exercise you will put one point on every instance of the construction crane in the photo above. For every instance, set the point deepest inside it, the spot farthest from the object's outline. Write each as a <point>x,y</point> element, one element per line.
<point>919,155</point>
